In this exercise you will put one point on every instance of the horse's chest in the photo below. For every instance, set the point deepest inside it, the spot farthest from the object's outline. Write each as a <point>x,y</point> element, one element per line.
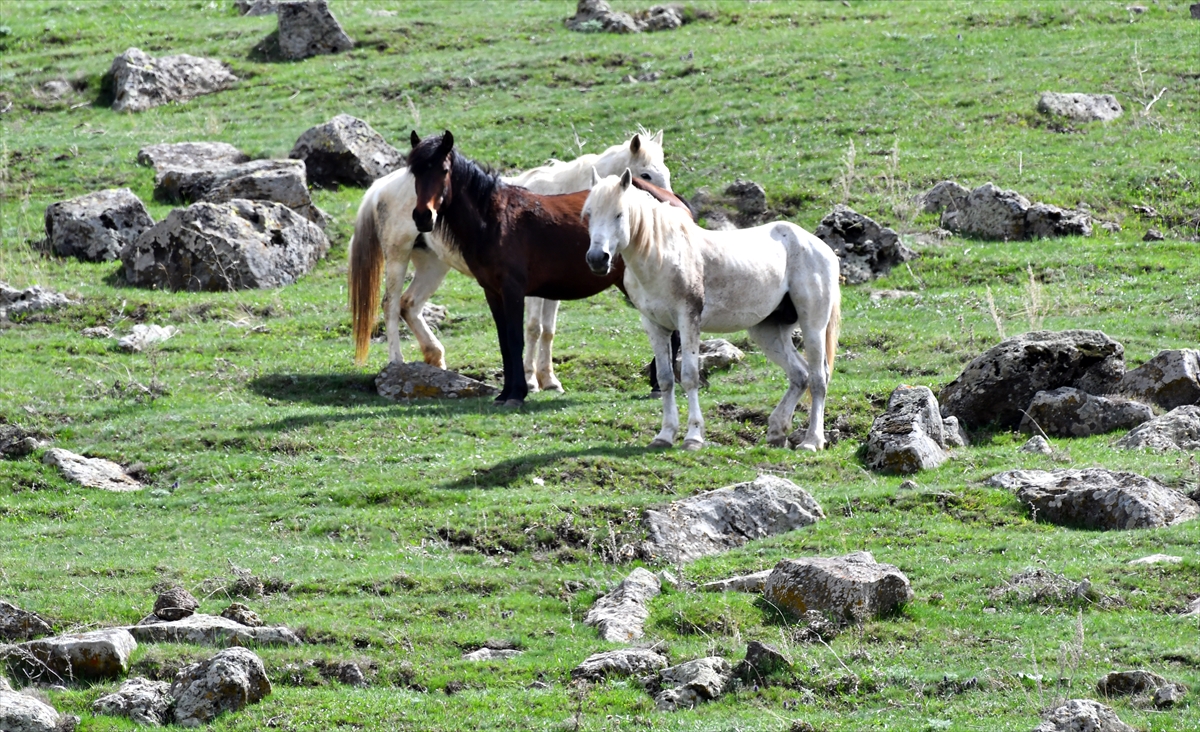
<point>652,302</point>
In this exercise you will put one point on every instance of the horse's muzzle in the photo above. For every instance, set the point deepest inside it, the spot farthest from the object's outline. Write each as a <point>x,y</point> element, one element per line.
<point>423,220</point>
<point>599,262</point>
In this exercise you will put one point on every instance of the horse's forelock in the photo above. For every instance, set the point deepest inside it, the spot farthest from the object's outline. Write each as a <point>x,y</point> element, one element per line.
<point>426,153</point>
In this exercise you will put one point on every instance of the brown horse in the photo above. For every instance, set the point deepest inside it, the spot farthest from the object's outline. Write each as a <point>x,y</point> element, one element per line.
<point>516,243</point>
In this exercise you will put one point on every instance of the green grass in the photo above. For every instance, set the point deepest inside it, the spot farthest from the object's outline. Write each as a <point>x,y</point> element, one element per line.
<point>399,536</point>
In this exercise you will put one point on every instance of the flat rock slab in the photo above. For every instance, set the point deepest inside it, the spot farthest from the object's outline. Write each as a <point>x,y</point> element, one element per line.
<point>141,81</point>
<point>237,245</point>
<point>209,630</point>
<point>280,181</point>
<point>865,250</point>
<point>91,472</point>
<point>1082,715</point>
<point>911,435</point>
<point>144,335</point>
<point>29,300</point>
<point>1070,412</point>
<point>191,156</point>
<point>309,29</point>
<point>345,151</point>
<point>688,684</point>
<point>227,682</point>
<point>1095,498</point>
<point>97,226</point>
<point>620,615</point>
<point>1158,559</point>
<point>18,625</point>
<point>620,662</point>
<point>143,701</point>
<point>1171,379</point>
<point>1003,380</point>
<point>492,654</point>
<point>1081,107</point>
<point>98,655</point>
<point>1178,429</point>
<point>21,713</point>
<point>853,587</point>
<point>716,521</point>
<point>717,354</point>
<point>742,583</point>
<point>418,380</point>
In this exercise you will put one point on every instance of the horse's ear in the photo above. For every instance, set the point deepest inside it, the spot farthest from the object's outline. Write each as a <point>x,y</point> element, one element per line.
<point>626,178</point>
<point>635,144</point>
<point>414,138</point>
<point>447,143</point>
<point>658,137</point>
<point>595,177</point>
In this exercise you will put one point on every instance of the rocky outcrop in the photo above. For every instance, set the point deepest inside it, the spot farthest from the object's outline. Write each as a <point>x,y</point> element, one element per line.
<point>742,583</point>
<point>1082,715</point>
<point>989,212</point>
<point>1069,412</point>
<point>1095,498</point>
<point>345,151</point>
<point>227,682</point>
<point>97,226</point>
<point>620,615</point>
<point>175,603</point>
<point>239,613</point>
<point>1170,379</point>
<point>1138,682</point>
<point>852,588</point>
<point>209,630</point>
<point>865,250</point>
<point>191,156</point>
<point>94,656</point>
<point>21,713</point>
<point>911,435</point>
<point>418,380</point>
<point>308,28</point>
<point>1080,107</point>
<point>91,472</point>
<point>18,625</point>
<point>236,245</point>
<point>621,662</point>
<point>716,521</point>
<point>1178,429</point>
<point>143,701</point>
<point>30,300</point>
<point>280,181</point>
<point>946,195</point>
<point>1002,381</point>
<point>140,82</point>
<point>688,684</point>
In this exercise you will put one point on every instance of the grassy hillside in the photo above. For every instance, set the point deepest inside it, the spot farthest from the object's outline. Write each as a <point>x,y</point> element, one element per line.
<point>399,536</point>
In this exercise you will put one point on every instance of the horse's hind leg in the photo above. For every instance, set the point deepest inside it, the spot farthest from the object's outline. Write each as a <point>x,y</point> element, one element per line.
<point>428,274</point>
<point>393,284</point>
<point>776,342</point>
<point>545,362</point>
<point>660,341</point>
<point>533,337</point>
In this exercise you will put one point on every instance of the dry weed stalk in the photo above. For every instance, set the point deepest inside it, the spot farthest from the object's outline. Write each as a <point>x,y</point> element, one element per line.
<point>1033,301</point>
<point>846,180</point>
<point>991,302</point>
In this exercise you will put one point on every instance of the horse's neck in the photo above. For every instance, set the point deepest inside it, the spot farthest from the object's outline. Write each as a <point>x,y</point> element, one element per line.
<point>671,247</point>
<point>558,177</point>
<point>467,219</point>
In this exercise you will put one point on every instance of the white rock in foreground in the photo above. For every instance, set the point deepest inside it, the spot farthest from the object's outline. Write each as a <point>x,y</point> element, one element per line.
<point>1082,715</point>
<point>100,654</point>
<point>688,684</point>
<point>620,615</point>
<point>230,680</point>
<point>91,472</point>
<point>209,630</point>
<point>21,713</point>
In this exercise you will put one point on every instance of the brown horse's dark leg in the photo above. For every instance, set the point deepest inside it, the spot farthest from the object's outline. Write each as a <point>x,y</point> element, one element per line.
<point>508,312</point>
<point>655,391</point>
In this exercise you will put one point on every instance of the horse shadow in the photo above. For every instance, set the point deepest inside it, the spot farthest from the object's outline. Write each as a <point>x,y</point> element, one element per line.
<point>507,472</point>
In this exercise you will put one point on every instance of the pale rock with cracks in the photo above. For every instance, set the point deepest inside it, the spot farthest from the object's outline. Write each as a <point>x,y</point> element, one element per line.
<point>1070,412</point>
<point>202,629</point>
<point>853,587</point>
<point>91,472</point>
<point>143,701</point>
<point>143,335</point>
<point>688,684</point>
<point>741,583</point>
<point>620,615</point>
<point>619,663</point>
<point>1178,429</point>
<point>1171,379</point>
<point>227,682</point>
<point>1095,498</point>
<point>92,656</point>
<point>1082,715</point>
<point>140,81</point>
<point>911,435</point>
<point>345,151</point>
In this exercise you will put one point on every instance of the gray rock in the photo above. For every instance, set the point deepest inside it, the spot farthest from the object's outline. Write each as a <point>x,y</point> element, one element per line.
<point>1069,412</point>
<point>910,435</point>
<point>946,195</point>
<point>1131,683</point>
<point>1037,445</point>
<point>91,472</point>
<point>990,213</point>
<point>620,615</point>
<point>191,156</point>
<point>21,713</point>
<point>209,630</point>
<point>853,587</point>
<point>97,226</point>
<point>144,335</point>
<point>345,151</point>
<point>1082,715</point>
<point>1080,107</point>
<point>4,685</point>
<point>254,8</point>
<point>865,249</point>
<point>94,656</point>
<point>999,383</point>
<point>1178,429</point>
<point>29,300</point>
<point>742,583</point>
<point>239,613</point>
<point>953,433</point>
<point>16,443</point>
<point>280,181</point>
<point>1158,559</point>
<point>1168,696</point>
<point>718,353</point>
<point>1194,8</point>
<point>1153,235</point>
<point>55,89</point>
<point>762,660</point>
<point>236,245</point>
<point>660,18</point>
<point>144,701</point>
<point>141,82</point>
<point>492,654</point>
<point>227,682</point>
<point>688,684</point>
<point>175,604</point>
<point>1170,379</point>
<point>1095,498</point>
<point>18,625</point>
<point>1043,221</point>
<point>716,521</point>
<point>308,28</point>
<point>620,662</point>
<point>418,380</point>
<point>100,331</point>
<point>350,674</point>
<point>596,15</point>
<point>748,197</point>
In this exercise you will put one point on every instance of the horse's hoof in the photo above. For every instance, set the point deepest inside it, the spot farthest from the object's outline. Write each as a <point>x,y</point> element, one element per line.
<point>531,387</point>
<point>513,403</point>
<point>777,441</point>
<point>659,444</point>
<point>808,446</point>
<point>553,386</point>
<point>656,394</point>
<point>693,445</point>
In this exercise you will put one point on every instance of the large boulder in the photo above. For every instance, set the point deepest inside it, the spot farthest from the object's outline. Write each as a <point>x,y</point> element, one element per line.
<point>1133,683</point>
<point>280,181</point>
<point>1178,429</point>
<point>911,435</point>
<point>227,682</point>
<point>1043,221</point>
<point>29,300</point>
<point>865,249</point>
<point>1080,107</point>
<point>141,82</point>
<point>236,245</point>
<point>597,15</point>
<point>619,662</point>
<point>21,713</point>
<point>191,156</point>
<point>97,226</point>
<point>18,625</point>
<point>94,656</point>
<point>1170,379</point>
<point>1069,412</point>
<point>1095,498</point>
<point>945,195</point>
<point>1082,715</point>
<point>853,587</point>
<point>143,701</point>
<point>716,521</point>
<point>620,615</point>
<point>345,151</point>
<point>418,380</point>
<point>91,472</point>
<point>1002,381</point>
<point>688,684</point>
<point>209,630</point>
<point>990,213</point>
<point>308,28</point>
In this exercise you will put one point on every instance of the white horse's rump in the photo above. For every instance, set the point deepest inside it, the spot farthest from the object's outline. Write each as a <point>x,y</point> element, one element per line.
<point>385,239</point>
<point>681,277</point>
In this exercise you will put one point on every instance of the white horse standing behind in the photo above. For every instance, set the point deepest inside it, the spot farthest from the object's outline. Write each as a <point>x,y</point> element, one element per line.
<point>385,239</point>
<point>681,277</point>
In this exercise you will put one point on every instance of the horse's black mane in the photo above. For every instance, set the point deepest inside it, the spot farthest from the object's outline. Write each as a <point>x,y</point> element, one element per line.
<point>473,182</point>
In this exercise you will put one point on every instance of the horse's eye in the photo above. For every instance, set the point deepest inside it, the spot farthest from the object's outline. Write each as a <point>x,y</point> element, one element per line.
<point>645,176</point>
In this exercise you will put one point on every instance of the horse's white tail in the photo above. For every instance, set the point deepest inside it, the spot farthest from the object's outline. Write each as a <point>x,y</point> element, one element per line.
<point>833,328</point>
<point>366,269</point>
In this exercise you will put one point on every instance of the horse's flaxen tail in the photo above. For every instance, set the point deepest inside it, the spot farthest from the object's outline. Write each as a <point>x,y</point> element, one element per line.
<point>366,269</point>
<point>833,328</point>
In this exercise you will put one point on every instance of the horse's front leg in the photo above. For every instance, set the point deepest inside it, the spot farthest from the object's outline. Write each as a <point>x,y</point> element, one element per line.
<point>689,377</point>
<point>660,341</point>
<point>428,274</point>
<point>508,311</point>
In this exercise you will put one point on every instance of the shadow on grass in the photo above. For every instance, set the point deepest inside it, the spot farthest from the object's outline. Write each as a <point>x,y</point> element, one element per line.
<point>503,474</point>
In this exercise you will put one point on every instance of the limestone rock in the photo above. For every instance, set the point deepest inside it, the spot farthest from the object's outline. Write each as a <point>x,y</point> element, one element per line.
<point>1170,379</point>
<point>953,433</point>
<point>1158,559</point>
<point>853,587</point>
<point>594,15</point>
<point>191,156</point>
<point>345,151</point>
<point>97,226</point>
<point>239,613</point>
<point>910,435</point>
<point>1131,683</point>
<point>29,300</point>
<point>865,250</point>
<point>1080,107</point>
<point>21,713</point>
<point>236,245</point>
<point>91,472</point>
<point>1069,412</point>
<point>143,701</point>
<point>1082,715</point>
<point>716,521</point>
<point>718,353</point>
<point>175,604</point>
<point>620,662</point>
<point>209,630</point>
<point>227,682</point>
<point>418,380</point>
<point>620,614</point>
<point>141,82</point>
<point>144,335</point>
<point>660,17</point>
<point>99,331</point>
<point>16,443</point>
<point>1037,445</point>
<point>762,660</point>
<point>1043,221</point>
<point>999,383</point>
<point>1178,429</point>
<point>945,195</point>
<point>280,181</point>
<point>742,583</point>
<point>254,8</point>
<point>308,28</point>
<point>18,625</point>
<point>990,213</point>
<point>1095,498</point>
<point>1194,9</point>
<point>1168,696</point>
<point>688,684</point>
<point>94,656</point>
<point>492,654</point>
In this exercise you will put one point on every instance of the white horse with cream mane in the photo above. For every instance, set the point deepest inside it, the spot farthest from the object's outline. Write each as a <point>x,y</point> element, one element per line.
<point>385,242</point>
<point>681,277</point>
